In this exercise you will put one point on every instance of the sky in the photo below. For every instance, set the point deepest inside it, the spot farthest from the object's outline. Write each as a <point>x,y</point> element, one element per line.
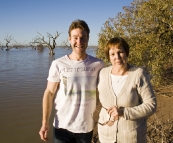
<point>23,19</point>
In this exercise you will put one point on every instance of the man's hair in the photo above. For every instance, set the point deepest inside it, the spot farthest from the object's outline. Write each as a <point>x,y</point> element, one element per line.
<point>79,24</point>
<point>117,41</point>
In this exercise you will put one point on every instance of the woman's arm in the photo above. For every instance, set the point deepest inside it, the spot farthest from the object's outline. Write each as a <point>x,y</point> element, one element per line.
<point>147,97</point>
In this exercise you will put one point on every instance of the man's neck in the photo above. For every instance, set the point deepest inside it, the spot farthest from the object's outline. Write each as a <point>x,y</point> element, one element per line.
<point>77,57</point>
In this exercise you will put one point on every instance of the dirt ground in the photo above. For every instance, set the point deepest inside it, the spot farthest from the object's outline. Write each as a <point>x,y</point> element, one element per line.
<point>165,102</point>
<point>164,95</point>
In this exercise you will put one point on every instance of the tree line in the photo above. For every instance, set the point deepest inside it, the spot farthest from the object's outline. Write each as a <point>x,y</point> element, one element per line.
<point>37,43</point>
<point>147,25</point>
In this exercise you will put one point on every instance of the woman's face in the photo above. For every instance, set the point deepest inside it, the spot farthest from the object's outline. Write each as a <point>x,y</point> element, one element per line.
<point>118,56</point>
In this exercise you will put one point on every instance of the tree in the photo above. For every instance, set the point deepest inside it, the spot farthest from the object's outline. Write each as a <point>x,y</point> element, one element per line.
<point>66,44</point>
<point>34,43</point>
<point>1,46</point>
<point>147,25</point>
<point>51,44</point>
<point>40,48</point>
<point>17,45</point>
<point>8,40</point>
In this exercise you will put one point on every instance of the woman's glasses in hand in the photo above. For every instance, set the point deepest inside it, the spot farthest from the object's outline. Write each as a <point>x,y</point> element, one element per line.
<point>109,122</point>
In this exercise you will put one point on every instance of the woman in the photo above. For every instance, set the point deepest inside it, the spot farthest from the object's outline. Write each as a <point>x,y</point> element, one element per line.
<point>126,96</point>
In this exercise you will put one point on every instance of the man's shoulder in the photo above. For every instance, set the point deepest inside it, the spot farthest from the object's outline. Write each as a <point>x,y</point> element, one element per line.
<point>95,58</point>
<point>106,70</point>
<point>60,59</point>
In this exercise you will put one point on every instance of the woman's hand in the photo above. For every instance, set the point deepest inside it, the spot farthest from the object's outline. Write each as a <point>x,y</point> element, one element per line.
<point>115,112</point>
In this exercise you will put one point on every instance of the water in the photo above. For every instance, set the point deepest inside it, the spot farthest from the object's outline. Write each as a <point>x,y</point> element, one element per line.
<point>23,76</point>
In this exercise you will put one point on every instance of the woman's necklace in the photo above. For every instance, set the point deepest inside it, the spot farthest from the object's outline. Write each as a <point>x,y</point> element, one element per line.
<point>118,78</point>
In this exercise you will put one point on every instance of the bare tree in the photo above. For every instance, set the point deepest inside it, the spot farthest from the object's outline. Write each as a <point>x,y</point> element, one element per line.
<point>8,40</point>
<point>33,43</point>
<point>17,45</point>
<point>40,48</point>
<point>51,44</point>
<point>66,44</point>
<point>1,45</point>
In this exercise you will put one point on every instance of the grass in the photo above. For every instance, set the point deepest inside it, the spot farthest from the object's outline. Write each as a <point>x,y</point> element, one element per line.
<point>160,130</point>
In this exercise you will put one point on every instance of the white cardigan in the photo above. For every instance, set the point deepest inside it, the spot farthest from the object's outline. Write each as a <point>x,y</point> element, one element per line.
<point>139,102</point>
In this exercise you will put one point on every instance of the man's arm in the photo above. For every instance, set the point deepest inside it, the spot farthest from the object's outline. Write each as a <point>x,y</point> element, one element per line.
<point>47,108</point>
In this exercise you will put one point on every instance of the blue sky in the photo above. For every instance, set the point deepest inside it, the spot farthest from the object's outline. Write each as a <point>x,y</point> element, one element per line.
<point>22,19</point>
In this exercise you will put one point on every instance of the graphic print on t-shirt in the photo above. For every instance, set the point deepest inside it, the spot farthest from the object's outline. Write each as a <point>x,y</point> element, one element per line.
<point>81,87</point>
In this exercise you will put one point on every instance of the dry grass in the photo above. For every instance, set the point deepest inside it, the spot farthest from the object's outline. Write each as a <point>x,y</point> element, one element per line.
<point>160,130</point>
<point>160,125</point>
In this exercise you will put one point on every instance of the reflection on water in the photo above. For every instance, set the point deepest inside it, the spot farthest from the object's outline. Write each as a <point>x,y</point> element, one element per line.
<point>23,76</point>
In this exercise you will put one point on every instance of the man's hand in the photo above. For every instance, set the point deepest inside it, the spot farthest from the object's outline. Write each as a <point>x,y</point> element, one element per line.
<point>44,133</point>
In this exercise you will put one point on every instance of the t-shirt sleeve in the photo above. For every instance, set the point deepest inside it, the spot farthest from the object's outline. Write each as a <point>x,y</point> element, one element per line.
<point>53,73</point>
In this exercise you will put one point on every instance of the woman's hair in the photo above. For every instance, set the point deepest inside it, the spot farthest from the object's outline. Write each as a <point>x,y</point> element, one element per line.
<point>116,41</point>
<point>79,24</point>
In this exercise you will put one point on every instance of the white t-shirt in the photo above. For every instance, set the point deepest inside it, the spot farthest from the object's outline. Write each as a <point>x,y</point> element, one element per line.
<point>75,101</point>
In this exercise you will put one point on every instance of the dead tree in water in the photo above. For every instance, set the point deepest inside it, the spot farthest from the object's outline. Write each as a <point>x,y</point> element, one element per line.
<point>8,40</point>
<point>17,45</point>
<point>49,44</point>
<point>40,47</point>
<point>1,46</point>
<point>33,44</point>
<point>66,44</point>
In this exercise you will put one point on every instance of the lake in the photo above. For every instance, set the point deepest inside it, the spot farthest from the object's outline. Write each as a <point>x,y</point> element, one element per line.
<point>23,79</point>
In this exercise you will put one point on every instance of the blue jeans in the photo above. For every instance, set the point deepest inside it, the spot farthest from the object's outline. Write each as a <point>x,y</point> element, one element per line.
<point>65,136</point>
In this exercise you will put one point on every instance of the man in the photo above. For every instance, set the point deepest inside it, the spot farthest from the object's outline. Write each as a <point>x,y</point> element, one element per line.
<point>73,78</point>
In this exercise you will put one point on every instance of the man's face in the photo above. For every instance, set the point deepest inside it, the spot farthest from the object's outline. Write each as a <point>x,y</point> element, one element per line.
<point>79,41</point>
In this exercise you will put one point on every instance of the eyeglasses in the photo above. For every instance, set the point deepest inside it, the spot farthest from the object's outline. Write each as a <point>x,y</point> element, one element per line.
<point>109,122</point>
